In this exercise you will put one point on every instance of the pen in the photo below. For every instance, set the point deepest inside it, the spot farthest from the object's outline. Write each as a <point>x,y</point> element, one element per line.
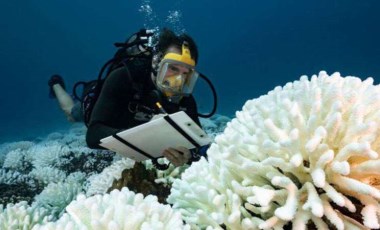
<point>162,110</point>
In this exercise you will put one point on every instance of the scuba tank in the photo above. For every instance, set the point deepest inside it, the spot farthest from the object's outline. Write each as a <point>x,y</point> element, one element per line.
<point>138,45</point>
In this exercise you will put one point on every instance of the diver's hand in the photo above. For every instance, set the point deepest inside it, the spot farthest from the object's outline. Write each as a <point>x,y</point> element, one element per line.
<point>156,116</point>
<point>177,156</point>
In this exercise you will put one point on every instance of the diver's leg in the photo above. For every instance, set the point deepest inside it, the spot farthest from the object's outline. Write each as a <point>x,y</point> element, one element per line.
<point>65,101</point>
<point>58,91</point>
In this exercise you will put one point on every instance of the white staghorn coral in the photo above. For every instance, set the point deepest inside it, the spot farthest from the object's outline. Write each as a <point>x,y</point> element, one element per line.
<point>302,152</point>
<point>118,210</point>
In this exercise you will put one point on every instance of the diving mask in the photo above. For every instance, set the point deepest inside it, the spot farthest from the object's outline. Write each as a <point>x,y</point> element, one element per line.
<point>176,76</point>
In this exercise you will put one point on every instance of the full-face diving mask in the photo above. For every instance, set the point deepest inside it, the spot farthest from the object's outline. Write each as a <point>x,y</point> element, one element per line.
<point>176,76</point>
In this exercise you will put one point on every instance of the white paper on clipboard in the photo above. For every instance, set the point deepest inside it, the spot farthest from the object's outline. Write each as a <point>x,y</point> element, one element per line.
<point>156,136</point>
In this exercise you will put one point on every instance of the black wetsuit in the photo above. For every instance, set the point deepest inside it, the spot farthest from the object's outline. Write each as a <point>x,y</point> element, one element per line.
<point>126,101</point>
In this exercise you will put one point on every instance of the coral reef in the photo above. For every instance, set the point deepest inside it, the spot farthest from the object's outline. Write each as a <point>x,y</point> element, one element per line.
<point>118,210</point>
<point>46,169</point>
<point>303,156</point>
<point>39,179</point>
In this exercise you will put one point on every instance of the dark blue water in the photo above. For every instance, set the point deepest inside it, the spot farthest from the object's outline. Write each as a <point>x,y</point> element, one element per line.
<point>246,48</point>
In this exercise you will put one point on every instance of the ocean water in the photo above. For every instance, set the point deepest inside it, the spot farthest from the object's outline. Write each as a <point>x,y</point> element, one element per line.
<point>246,48</point>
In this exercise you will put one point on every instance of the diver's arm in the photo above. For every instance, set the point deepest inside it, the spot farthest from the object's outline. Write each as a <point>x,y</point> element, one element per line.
<point>96,132</point>
<point>111,104</point>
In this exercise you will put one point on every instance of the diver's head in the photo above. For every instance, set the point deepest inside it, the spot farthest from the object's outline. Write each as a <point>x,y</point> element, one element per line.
<point>174,65</point>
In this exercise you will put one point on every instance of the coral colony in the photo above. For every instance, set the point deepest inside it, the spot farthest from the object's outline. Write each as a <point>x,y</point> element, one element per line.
<point>304,156</point>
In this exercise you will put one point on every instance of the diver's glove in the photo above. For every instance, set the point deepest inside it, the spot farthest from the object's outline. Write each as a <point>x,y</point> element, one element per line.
<point>197,153</point>
<point>55,79</point>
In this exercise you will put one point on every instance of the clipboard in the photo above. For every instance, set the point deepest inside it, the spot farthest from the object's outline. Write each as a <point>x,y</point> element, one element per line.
<point>149,140</point>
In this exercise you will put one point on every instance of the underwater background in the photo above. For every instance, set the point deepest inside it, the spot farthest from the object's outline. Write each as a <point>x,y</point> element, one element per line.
<point>246,48</point>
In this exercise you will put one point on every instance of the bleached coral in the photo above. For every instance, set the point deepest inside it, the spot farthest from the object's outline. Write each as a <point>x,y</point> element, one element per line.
<point>15,159</point>
<point>47,154</point>
<point>76,136</point>
<point>201,196</point>
<point>22,216</point>
<point>12,177</point>
<point>8,147</point>
<point>117,210</point>
<point>48,175</point>
<point>56,196</point>
<point>297,154</point>
<point>100,183</point>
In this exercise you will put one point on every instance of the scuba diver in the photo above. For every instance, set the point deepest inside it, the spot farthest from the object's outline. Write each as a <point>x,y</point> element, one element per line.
<point>162,73</point>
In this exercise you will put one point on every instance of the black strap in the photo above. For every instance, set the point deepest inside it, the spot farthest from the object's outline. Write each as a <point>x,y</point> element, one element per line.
<point>132,146</point>
<point>183,133</point>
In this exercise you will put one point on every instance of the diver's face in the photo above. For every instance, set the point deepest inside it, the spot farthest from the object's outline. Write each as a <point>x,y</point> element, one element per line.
<point>175,77</point>
<point>176,74</point>
<point>177,69</point>
<point>171,49</point>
